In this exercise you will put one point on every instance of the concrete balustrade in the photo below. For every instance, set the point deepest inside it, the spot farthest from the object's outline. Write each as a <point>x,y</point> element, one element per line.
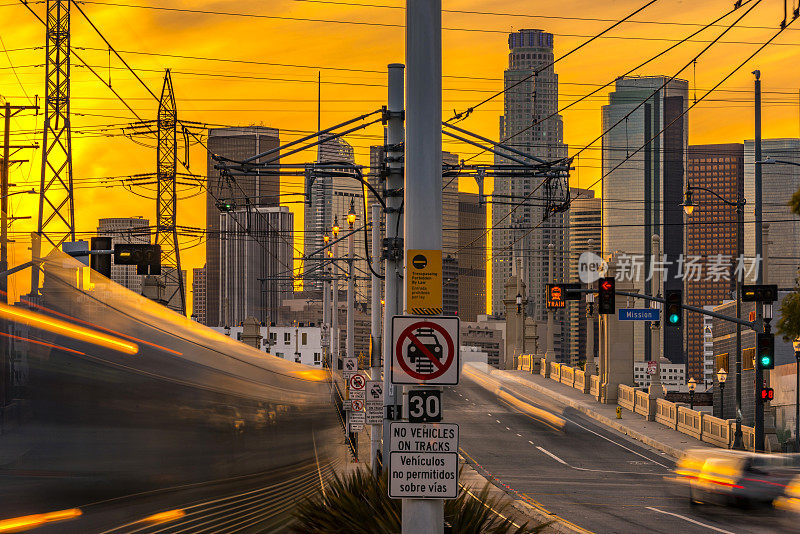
<point>690,422</point>
<point>581,383</point>
<point>555,371</point>
<point>567,375</point>
<point>667,413</point>
<point>717,431</point>
<point>644,405</point>
<point>594,385</point>
<point>749,437</point>
<point>625,397</point>
<point>543,367</point>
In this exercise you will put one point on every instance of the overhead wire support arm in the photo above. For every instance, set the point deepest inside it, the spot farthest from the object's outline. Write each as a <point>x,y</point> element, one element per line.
<point>497,144</point>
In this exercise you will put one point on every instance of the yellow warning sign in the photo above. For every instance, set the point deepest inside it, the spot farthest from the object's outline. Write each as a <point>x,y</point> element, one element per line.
<point>424,282</point>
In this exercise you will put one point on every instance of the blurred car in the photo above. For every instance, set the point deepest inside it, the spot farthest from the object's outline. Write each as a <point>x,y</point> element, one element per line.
<point>735,478</point>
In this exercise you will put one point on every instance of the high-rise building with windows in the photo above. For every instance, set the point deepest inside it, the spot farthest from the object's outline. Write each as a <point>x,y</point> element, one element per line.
<point>256,269</point>
<point>642,188</point>
<point>711,229</point>
<point>199,294</point>
<point>125,230</point>
<point>779,182</point>
<point>256,190</point>
<point>584,236</point>
<point>471,257</point>
<point>530,123</point>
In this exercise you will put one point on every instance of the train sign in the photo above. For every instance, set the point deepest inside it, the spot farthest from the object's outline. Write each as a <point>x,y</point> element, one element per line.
<point>425,350</point>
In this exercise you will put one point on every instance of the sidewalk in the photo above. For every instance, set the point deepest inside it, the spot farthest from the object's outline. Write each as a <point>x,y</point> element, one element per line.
<point>633,425</point>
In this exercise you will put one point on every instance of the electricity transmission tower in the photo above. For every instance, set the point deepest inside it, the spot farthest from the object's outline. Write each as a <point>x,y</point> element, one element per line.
<point>56,223</point>
<point>166,201</point>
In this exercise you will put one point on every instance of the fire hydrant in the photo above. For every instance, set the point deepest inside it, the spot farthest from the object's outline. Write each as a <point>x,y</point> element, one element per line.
<point>619,412</point>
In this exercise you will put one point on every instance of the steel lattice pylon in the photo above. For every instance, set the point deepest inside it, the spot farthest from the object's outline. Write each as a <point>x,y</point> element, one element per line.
<point>56,222</point>
<point>166,201</point>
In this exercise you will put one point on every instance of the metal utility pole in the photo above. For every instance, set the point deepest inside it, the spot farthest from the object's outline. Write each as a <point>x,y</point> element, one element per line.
<point>166,201</point>
<point>423,191</point>
<point>335,309</point>
<point>656,390</point>
<point>326,312</point>
<point>759,404</point>
<point>590,367</point>
<point>375,333</point>
<point>551,349</point>
<point>351,286</point>
<point>5,165</point>
<point>393,255</point>
<point>56,221</point>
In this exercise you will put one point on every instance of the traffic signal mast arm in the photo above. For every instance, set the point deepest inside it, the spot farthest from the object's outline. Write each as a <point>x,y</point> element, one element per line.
<point>755,325</point>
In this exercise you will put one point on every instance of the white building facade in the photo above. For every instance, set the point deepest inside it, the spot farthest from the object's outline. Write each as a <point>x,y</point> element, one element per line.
<point>300,344</point>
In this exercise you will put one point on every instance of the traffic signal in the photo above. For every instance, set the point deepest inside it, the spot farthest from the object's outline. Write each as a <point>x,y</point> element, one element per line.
<point>225,205</point>
<point>606,295</point>
<point>101,262</point>
<point>765,351</point>
<point>762,293</point>
<point>674,314</point>
<point>147,258</point>
<point>767,394</point>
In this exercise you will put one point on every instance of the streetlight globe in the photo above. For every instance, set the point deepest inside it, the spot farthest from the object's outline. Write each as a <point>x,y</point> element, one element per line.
<point>688,205</point>
<point>722,375</point>
<point>335,227</point>
<point>692,384</point>
<point>351,215</point>
<point>326,238</point>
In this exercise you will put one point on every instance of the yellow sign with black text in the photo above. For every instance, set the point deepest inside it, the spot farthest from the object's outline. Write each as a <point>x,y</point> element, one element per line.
<point>424,282</point>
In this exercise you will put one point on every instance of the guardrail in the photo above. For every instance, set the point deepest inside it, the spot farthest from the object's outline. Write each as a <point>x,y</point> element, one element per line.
<point>555,371</point>
<point>625,397</point>
<point>594,385</point>
<point>581,384</point>
<point>567,375</point>
<point>690,422</point>
<point>644,405</point>
<point>667,413</point>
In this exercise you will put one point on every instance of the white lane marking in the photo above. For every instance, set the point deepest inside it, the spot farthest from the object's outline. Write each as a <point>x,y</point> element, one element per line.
<point>508,429</point>
<point>553,456</point>
<point>519,435</point>
<point>498,421</point>
<point>690,520</point>
<point>529,441</point>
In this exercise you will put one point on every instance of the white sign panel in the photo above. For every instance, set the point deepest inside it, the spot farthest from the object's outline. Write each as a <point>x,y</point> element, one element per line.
<point>423,437</point>
<point>356,427</point>
<point>357,387</point>
<point>358,418</point>
<point>357,405</point>
<point>374,402</point>
<point>421,475</point>
<point>349,367</point>
<point>425,350</point>
<point>374,414</point>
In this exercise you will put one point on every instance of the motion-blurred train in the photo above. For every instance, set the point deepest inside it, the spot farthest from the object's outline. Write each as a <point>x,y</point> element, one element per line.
<point>109,394</point>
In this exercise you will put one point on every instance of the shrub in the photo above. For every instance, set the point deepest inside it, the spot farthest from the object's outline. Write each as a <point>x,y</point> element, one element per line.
<point>358,503</point>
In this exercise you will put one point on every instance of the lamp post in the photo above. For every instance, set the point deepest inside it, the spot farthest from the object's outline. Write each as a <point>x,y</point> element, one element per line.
<point>722,376</point>
<point>688,208</point>
<point>351,288</point>
<point>335,299</point>
<point>692,386</point>
<point>796,344</point>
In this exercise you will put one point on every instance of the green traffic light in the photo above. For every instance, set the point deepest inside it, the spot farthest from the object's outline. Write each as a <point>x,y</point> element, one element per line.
<point>674,318</point>
<point>765,360</point>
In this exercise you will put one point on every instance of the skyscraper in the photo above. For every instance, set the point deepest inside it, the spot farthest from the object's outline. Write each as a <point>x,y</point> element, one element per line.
<point>642,191</point>
<point>199,294</point>
<point>262,189</point>
<point>710,230</point>
<point>778,183</point>
<point>331,198</point>
<point>471,257</point>
<point>584,236</point>
<point>125,230</point>
<point>450,264</point>
<point>526,126</point>
<point>255,269</point>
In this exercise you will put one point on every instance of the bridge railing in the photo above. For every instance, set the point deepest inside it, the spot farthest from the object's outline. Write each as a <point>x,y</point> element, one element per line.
<point>567,375</point>
<point>667,413</point>
<point>581,383</point>
<point>644,405</point>
<point>594,385</point>
<point>717,431</point>
<point>625,397</point>
<point>543,367</point>
<point>555,371</point>
<point>690,422</point>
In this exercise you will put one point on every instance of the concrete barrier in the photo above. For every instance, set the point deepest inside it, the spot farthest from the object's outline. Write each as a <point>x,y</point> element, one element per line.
<point>749,437</point>
<point>581,383</point>
<point>625,397</point>
<point>690,422</point>
<point>594,385</point>
<point>667,413</point>
<point>555,371</point>
<point>644,405</point>
<point>567,375</point>
<point>717,431</point>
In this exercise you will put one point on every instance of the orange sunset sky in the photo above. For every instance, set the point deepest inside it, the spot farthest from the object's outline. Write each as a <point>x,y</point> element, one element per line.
<point>230,69</point>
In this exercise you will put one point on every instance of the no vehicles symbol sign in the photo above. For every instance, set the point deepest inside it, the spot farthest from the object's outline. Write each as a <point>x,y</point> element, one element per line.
<point>425,350</point>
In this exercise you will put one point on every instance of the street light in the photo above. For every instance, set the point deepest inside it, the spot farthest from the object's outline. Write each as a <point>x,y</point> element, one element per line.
<point>31,191</point>
<point>692,386</point>
<point>335,228</point>
<point>351,215</point>
<point>722,376</point>
<point>772,161</point>
<point>688,208</point>
<point>326,238</point>
<point>519,303</point>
